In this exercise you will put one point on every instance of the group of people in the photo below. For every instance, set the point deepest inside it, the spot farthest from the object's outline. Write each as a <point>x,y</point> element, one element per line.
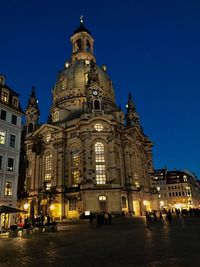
<point>102,218</point>
<point>152,217</point>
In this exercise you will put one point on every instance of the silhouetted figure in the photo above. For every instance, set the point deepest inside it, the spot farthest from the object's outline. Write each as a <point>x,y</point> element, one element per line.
<point>148,220</point>
<point>154,216</point>
<point>161,217</point>
<point>169,216</point>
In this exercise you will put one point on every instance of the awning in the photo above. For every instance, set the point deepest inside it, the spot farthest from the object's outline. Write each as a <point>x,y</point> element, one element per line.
<point>7,209</point>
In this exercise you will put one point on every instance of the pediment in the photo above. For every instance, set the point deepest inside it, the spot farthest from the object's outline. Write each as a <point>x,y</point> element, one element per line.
<point>47,128</point>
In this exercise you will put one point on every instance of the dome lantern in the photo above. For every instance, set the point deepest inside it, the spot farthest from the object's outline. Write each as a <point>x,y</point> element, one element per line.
<point>82,43</point>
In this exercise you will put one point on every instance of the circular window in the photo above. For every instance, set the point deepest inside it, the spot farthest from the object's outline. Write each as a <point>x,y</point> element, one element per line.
<point>98,127</point>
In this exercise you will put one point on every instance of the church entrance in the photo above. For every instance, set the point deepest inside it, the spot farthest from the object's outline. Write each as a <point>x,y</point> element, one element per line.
<point>102,203</point>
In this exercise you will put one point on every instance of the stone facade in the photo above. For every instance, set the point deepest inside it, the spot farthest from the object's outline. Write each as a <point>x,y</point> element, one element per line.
<point>10,138</point>
<point>90,156</point>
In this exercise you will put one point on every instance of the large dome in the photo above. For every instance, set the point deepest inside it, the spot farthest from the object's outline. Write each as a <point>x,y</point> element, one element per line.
<point>73,84</point>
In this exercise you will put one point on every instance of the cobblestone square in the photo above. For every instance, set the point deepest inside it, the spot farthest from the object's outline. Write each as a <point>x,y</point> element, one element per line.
<point>127,242</point>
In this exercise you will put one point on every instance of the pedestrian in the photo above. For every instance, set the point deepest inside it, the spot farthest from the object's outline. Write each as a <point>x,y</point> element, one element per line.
<point>154,216</point>
<point>148,220</point>
<point>161,217</point>
<point>169,216</point>
<point>91,217</point>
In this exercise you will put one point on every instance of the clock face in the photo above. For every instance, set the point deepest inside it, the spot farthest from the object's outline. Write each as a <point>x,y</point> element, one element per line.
<point>95,92</point>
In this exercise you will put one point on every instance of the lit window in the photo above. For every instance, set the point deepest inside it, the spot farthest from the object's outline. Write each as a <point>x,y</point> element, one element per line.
<point>8,189</point>
<point>56,116</point>
<point>10,164</point>
<point>48,186</point>
<point>2,137</point>
<point>48,167</point>
<point>100,163</point>
<point>4,96</point>
<point>48,137</point>
<point>12,140</point>
<point>75,162</point>
<point>63,84</point>
<point>98,127</point>
<point>87,62</point>
<point>185,178</point>
<point>102,198</point>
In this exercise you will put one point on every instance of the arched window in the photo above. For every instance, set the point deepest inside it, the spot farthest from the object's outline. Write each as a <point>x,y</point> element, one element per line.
<point>100,163</point>
<point>77,45</point>
<point>124,202</point>
<point>30,127</point>
<point>75,163</point>
<point>48,167</point>
<point>88,46</point>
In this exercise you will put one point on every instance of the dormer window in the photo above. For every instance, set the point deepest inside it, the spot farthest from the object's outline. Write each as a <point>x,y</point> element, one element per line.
<point>55,116</point>
<point>4,96</point>
<point>15,102</point>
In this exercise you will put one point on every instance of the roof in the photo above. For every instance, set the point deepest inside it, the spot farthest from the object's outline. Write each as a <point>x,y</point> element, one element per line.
<point>81,28</point>
<point>12,94</point>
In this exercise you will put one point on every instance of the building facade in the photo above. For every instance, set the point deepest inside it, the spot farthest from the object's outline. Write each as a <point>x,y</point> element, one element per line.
<point>177,189</point>
<point>10,138</point>
<point>90,156</point>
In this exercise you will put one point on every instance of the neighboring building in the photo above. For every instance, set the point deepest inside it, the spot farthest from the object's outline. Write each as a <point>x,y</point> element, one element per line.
<point>86,158</point>
<point>10,137</point>
<point>177,189</point>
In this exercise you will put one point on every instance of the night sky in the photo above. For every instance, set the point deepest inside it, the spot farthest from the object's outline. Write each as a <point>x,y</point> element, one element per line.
<point>151,49</point>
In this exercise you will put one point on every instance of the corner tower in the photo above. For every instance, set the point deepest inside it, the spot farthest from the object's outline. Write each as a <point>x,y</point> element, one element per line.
<point>32,113</point>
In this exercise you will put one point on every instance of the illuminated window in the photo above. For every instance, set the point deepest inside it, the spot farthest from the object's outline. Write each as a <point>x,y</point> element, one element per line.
<point>56,116</point>
<point>12,140</point>
<point>100,163</point>
<point>75,162</point>
<point>48,137</point>
<point>10,166</point>
<point>102,198</point>
<point>48,167</point>
<point>48,186</point>
<point>4,96</point>
<point>8,189</point>
<point>2,137</point>
<point>98,127</point>
<point>63,84</point>
<point>185,178</point>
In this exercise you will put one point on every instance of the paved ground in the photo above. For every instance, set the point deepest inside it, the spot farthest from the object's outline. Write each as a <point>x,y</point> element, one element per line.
<point>125,243</point>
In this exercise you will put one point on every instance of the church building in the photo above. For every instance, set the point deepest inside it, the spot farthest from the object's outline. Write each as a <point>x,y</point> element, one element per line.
<point>90,156</point>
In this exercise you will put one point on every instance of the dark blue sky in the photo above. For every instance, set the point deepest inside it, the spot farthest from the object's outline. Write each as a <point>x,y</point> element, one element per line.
<point>151,49</point>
